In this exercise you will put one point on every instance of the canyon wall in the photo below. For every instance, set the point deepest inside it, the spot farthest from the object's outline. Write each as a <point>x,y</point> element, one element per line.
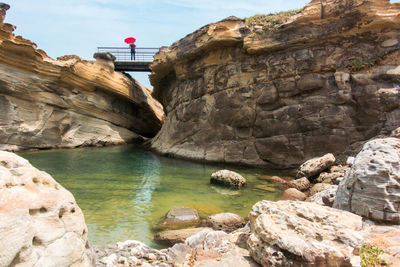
<point>274,90</point>
<point>68,102</point>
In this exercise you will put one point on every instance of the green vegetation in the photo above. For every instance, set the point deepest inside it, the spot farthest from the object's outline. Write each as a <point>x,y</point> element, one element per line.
<point>370,256</point>
<point>272,19</point>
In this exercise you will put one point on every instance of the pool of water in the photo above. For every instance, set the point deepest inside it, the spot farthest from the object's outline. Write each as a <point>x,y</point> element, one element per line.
<point>125,191</point>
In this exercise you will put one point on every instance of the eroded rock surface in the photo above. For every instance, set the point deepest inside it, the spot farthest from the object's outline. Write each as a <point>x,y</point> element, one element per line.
<point>172,237</point>
<point>131,253</point>
<point>227,222</point>
<point>371,187</point>
<point>315,166</point>
<point>40,222</point>
<point>68,102</point>
<point>290,233</point>
<point>228,178</point>
<point>278,93</point>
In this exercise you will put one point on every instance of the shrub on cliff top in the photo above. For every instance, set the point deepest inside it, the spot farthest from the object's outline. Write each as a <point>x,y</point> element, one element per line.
<point>272,19</point>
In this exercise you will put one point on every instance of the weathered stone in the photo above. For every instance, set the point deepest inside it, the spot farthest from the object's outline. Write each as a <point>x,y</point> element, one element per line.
<point>395,133</point>
<point>227,222</point>
<point>211,249</point>
<point>172,237</point>
<point>228,178</point>
<point>372,186</point>
<point>315,166</point>
<point>180,217</point>
<point>293,194</point>
<point>40,222</point>
<point>320,187</point>
<point>291,233</point>
<point>258,93</point>
<point>325,197</point>
<point>301,184</point>
<point>131,253</point>
<point>68,102</point>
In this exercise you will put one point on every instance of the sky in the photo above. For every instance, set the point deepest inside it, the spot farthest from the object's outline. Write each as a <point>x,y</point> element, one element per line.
<point>78,27</point>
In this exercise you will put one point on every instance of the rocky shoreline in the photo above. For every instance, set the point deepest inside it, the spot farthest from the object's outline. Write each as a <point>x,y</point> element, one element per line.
<point>364,213</point>
<point>275,91</point>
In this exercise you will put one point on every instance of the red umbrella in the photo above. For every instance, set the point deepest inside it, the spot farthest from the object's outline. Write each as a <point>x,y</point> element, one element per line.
<point>130,40</point>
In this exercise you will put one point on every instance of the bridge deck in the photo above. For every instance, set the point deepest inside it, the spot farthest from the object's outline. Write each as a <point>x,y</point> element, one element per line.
<point>124,59</point>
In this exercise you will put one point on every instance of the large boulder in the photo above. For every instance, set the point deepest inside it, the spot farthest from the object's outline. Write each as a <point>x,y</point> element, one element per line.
<point>315,166</point>
<point>289,233</point>
<point>228,178</point>
<point>372,186</point>
<point>40,222</point>
<point>180,217</point>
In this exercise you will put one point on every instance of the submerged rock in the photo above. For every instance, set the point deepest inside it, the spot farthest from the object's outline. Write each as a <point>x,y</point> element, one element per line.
<point>372,186</point>
<point>40,222</point>
<point>180,217</point>
<point>228,178</point>
<point>291,233</point>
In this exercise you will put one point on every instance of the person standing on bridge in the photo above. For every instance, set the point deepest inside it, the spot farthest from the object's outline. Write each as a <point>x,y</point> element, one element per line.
<point>133,51</point>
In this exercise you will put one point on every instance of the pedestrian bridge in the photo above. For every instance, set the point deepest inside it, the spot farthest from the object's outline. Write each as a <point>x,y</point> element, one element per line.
<point>123,61</point>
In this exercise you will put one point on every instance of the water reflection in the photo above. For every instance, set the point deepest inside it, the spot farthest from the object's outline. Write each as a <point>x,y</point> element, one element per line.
<point>125,191</point>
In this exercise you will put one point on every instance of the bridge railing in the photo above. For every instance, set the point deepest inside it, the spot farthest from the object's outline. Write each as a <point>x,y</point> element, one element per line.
<point>143,54</point>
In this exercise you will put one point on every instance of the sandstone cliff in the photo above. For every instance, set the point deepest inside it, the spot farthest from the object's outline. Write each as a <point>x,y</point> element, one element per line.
<point>274,90</point>
<point>67,102</point>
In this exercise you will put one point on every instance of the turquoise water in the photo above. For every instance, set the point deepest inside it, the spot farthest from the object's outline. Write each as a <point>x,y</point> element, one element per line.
<point>125,191</point>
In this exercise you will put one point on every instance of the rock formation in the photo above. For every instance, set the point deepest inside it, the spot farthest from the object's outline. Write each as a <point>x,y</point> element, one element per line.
<point>275,90</point>
<point>371,187</point>
<point>40,222</point>
<point>67,102</point>
<point>288,233</point>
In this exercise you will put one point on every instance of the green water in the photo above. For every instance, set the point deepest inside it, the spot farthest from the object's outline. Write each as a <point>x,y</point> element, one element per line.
<point>125,191</point>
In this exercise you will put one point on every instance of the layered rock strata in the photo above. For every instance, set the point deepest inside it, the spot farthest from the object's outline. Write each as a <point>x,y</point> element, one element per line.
<point>67,102</point>
<point>275,90</point>
<point>40,222</point>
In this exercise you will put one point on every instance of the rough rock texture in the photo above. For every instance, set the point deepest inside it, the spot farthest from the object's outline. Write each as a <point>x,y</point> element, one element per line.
<point>227,222</point>
<point>211,249</point>
<point>180,217</point>
<point>131,253</point>
<point>276,94</point>
<point>172,237</point>
<point>40,222</point>
<point>325,197</point>
<point>68,102</point>
<point>320,187</point>
<point>335,174</point>
<point>301,184</point>
<point>228,178</point>
<point>293,194</point>
<point>372,186</point>
<point>288,233</point>
<point>315,166</point>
